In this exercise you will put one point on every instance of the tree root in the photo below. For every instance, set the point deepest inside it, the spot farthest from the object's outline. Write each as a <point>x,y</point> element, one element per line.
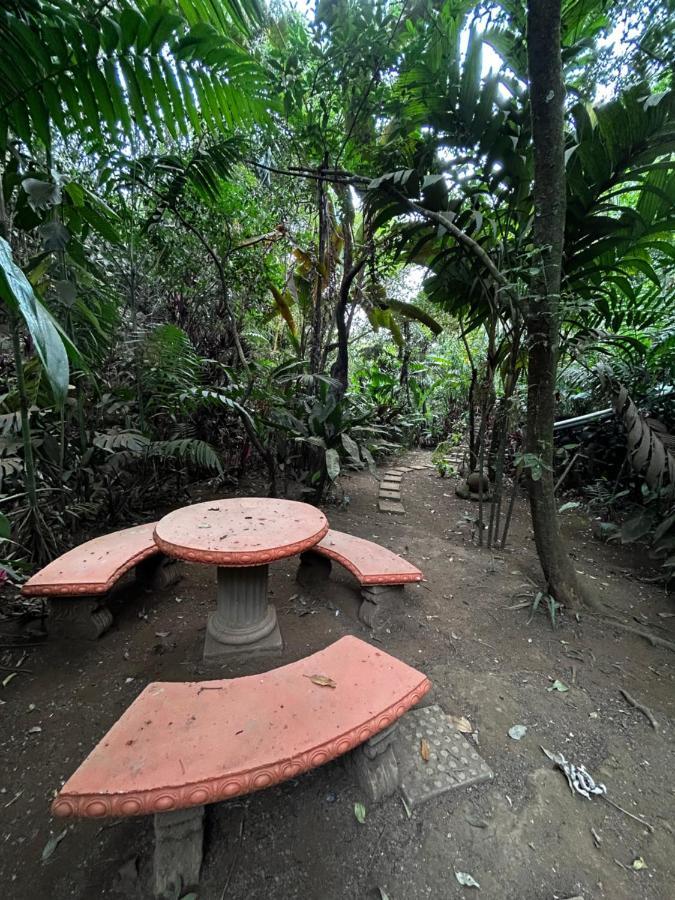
<point>645,710</point>
<point>653,639</point>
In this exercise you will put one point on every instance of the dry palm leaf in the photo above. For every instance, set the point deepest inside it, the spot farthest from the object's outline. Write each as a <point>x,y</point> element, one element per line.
<point>647,450</point>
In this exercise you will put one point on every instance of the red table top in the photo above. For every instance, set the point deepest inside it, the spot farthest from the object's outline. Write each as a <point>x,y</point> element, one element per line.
<point>246,531</point>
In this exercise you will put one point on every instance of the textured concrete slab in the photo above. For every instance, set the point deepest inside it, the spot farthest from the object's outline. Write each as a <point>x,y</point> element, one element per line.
<point>389,495</point>
<point>390,483</point>
<point>391,506</point>
<point>453,762</point>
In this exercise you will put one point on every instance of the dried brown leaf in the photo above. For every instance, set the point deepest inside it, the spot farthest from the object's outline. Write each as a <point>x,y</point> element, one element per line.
<point>461,724</point>
<point>425,750</point>
<point>649,454</point>
<point>322,680</point>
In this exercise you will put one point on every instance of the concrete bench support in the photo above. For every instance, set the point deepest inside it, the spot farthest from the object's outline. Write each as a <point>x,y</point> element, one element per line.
<point>179,844</point>
<point>80,617</point>
<point>77,583</point>
<point>375,766</point>
<point>379,571</point>
<point>157,573</point>
<point>372,598</point>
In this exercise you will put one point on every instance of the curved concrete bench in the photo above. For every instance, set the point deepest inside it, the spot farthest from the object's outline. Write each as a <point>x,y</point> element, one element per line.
<point>182,745</point>
<point>92,570</point>
<point>376,568</point>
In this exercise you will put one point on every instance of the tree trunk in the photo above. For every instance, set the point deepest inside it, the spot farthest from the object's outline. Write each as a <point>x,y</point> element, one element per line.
<point>321,281</point>
<point>547,94</point>
<point>350,269</point>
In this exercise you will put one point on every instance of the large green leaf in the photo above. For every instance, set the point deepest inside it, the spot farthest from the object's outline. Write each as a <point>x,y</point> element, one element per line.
<point>332,463</point>
<point>145,66</point>
<point>223,13</point>
<point>18,294</point>
<point>410,311</point>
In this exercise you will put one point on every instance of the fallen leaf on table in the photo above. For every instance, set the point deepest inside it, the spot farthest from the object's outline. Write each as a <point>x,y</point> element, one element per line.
<point>639,863</point>
<point>461,724</point>
<point>360,813</point>
<point>558,686</point>
<point>425,751</point>
<point>466,880</point>
<point>516,732</point>
<point>322,680</point>
<point>52,844</point>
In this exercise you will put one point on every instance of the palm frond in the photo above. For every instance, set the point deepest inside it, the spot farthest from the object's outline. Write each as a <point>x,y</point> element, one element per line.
<point>647,452</point>
<point>222,14</point>
<point>187,450</point>
<point>137,66</point>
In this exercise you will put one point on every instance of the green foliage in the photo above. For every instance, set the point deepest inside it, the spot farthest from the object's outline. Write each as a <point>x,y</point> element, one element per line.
<point>441,458</point>
<point>552,607</point>
<point>18,294</point>
<point>186,184</point>
<point>133,66</point>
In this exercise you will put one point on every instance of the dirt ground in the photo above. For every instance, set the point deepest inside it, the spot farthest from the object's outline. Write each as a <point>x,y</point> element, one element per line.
<point>523,836</point>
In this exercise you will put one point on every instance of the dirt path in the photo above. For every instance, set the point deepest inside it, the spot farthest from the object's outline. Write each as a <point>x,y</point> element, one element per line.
<point>523,836</point>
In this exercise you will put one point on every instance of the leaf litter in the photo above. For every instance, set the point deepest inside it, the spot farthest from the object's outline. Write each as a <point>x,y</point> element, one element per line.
<point>53,843</point>
<point>461,723</point>
<point>466,880</point>
<point>322,680</point>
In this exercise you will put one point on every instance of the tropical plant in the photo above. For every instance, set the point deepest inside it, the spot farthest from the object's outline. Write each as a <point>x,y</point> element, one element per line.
<point>215,218</point>
<point>114,72</point>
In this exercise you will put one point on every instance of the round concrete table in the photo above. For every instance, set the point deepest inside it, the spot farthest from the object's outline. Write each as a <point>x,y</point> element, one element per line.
<point>241,537</point>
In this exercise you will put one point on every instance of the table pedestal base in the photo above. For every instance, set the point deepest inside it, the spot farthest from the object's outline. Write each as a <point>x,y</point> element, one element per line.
<point>244,623</point>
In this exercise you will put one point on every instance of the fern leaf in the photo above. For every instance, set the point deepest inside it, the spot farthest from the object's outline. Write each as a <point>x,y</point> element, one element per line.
<point>57,68</point>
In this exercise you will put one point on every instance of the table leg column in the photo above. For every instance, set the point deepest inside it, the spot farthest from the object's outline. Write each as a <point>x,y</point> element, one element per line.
<point>244,623</point>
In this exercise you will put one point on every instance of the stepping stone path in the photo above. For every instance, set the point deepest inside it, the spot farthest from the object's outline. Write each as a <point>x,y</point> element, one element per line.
<point>389,496</point>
